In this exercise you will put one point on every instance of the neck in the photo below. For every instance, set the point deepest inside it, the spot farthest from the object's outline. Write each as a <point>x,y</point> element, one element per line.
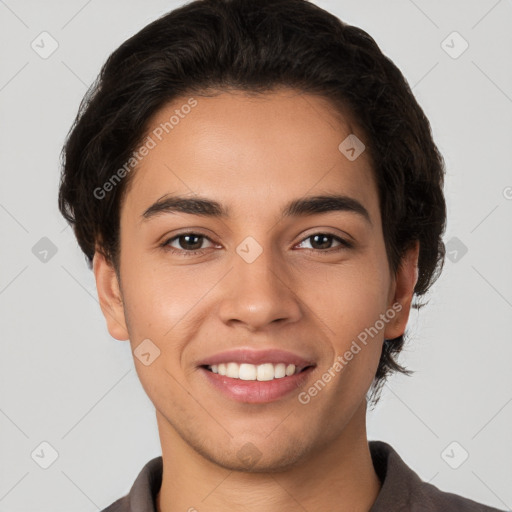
<point>338,477</point>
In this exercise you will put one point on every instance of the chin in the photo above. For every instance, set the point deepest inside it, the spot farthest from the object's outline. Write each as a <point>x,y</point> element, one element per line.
<point>265,464</point>
<point>252,457</point>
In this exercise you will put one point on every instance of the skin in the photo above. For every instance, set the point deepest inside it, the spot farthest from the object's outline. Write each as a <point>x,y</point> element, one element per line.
<point>253,155</point>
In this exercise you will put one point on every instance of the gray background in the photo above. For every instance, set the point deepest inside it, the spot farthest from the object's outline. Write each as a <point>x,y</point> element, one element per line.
<point>65,381</point>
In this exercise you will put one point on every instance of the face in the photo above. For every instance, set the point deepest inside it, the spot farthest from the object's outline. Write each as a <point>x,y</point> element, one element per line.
<point>272,295</point>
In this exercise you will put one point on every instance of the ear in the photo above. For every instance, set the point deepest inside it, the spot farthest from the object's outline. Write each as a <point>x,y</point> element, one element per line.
<point>405,281</point>
<point>110,297</point>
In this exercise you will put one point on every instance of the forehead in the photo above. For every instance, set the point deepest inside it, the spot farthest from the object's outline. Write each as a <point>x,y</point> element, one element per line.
<point>250,152</point>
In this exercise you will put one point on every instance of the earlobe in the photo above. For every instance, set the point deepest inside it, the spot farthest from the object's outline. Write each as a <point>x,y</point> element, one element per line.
<point>110,298</point>
<point>406,279</point>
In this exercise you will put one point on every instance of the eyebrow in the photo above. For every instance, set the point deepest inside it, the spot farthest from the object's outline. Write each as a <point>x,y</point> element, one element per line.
<point>298,207</point>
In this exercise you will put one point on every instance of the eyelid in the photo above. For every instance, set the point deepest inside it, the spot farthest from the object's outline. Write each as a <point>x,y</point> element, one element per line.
<point>186,231</point>
<point>331,231</point>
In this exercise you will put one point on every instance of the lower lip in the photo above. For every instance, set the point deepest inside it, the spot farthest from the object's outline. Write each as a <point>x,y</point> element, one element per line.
<point>254,391</point>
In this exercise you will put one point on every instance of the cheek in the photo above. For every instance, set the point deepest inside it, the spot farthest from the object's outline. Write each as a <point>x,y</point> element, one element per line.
<point>163,303</point>
<point>350,306</point>
<point>348,298</point>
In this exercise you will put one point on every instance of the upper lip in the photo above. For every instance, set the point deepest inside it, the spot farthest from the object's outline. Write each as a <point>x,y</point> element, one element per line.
<point>256,357</point>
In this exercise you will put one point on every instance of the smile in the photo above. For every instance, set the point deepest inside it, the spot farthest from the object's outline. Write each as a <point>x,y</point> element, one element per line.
<point>256,376</point>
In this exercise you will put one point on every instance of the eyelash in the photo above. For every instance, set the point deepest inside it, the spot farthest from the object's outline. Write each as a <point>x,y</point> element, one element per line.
<point>165,245</point>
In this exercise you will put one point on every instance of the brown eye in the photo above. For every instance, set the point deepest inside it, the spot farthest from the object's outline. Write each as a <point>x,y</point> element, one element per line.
<point>323,242</point>
<point>190,241</point>
<point>187,244</point>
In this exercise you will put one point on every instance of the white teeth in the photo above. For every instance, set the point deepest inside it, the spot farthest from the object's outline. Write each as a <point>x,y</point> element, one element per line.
<point>290,370</point>
<point>265,371</point>
<point>247,372</point>
<point>232,370</point>
<point>261,372</point>
<point>279,370</point>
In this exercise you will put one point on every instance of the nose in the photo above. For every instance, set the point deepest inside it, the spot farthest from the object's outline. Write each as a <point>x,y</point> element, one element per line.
<point>258,293</point>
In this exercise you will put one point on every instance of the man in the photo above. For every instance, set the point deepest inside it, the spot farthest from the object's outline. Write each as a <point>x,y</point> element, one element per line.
<point>260,199</point>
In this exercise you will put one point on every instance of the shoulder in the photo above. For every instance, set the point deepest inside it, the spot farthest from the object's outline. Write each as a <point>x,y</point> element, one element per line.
<point>120,505</point>
<point>402,489</point>
<point>143,493</point>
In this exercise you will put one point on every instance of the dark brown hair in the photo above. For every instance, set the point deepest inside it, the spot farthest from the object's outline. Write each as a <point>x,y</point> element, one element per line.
<point>256,46</point>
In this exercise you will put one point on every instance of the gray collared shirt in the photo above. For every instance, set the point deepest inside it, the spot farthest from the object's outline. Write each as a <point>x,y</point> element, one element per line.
<point>402,490</point>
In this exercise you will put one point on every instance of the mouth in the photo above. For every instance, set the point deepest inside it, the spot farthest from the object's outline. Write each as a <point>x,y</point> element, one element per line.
<point>256,376</point>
